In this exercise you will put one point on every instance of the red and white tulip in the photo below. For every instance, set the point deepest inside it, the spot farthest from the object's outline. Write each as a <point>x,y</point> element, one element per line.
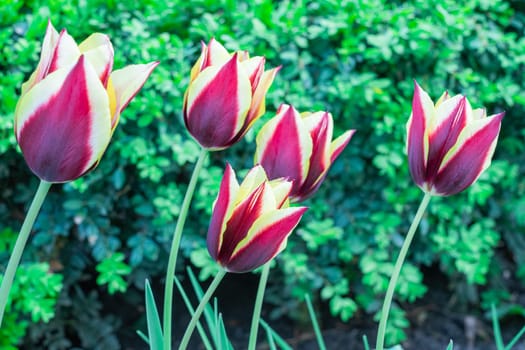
<point>299,147</point>
<point>226,95</point>
<point>251,222</point>
<point>449,144</point>
<point>71,104</point>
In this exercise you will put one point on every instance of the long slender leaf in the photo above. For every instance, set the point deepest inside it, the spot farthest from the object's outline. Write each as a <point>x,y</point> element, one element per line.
<point>317,330</point>
<point>365,342</point>
<point>450,345</point>
<point>497,331</point>
<point>271,341</point>
<point>152,317</point>
<point>208,311</point>
<point>280,341</point>
<point>191,309</point>
<point>515,339</point>
<point>223,337</point>
<point>142,336</point>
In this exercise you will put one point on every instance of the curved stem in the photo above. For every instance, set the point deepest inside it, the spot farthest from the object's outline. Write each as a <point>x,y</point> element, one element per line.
<point>21,241</point>
<point>397,269</point>
<point>205,298</point>
<point>172,262</point>
<point>258,306</point>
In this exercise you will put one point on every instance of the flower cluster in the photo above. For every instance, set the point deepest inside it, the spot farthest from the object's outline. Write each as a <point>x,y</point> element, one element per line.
<point>251,222</point>
<point>71,105</point>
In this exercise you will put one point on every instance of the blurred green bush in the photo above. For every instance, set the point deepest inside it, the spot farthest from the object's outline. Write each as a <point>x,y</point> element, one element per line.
<point>355,58</point>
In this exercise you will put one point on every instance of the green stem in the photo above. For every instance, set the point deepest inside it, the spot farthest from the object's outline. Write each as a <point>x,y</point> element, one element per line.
<point>172,262</point>
<point>258,306</point>
<point>205,298</point>
<point>21,241</point>
<point>397,269</point>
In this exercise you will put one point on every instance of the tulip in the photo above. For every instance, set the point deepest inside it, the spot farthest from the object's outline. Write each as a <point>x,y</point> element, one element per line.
<point>225,96</point>
<point>71,104</point>
<point>250,223</point>
<point>299,147</point>
<point>449,144</point>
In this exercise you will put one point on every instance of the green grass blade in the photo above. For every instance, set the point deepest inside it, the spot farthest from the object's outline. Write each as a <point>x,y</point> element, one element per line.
<point>271,341</point>
<point>142,336</point>
<point>450,345</point>
<point>223,337</point>
<point>191,309</point>
<point>280,341</point>
<point>515,339</point>
<point>495,326</point>
<point>315,325</point>
<point>152,317</point>
<point>365,342</point>
<point>208,311</point>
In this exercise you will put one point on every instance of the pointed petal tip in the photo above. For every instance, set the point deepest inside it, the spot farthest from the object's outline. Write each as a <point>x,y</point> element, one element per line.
<point>302,210</point>
<point>276,70</point>
<point>499,116</point>
<point>228,168</point>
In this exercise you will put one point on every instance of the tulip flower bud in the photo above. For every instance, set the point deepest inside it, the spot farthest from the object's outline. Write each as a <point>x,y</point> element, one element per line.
<point>299,147</point>
<point>226,95</point>
<point>71,104</point>
<point>250,223</point>
<point>449,144</point>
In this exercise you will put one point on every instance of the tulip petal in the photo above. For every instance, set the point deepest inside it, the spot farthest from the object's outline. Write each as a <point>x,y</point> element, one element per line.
<point>320,125</point>
<point>216,55</point>
<point>284,147</point>
<point>222,210</point>
<point>315,179</point>
<point>258,106</point>
<point>126,84</point>
<point>449,120</point>
<point>197,67</point>
<point>281,190</point>
<point>444,96</point>
<point>254,68</point>
<point>417,138</point>
<point>63,123</point>
<point>66,52</point>
<point>265,240</point>
<point>339,144</point>
<point>48,46</point>
<point>253,179</point>
<point>470,157</point>
<point>99,52</point>
<point>244,215</point>
<point>216,105</point>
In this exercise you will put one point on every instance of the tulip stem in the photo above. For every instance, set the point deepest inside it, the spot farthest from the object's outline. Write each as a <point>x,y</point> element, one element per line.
<point>258,306</point>
<point>172,262</point>
<point>21,241</point>
<point>397,269</point>
<point>204,301</point>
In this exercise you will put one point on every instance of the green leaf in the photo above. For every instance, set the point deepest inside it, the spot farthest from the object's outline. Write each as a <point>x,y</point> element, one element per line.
<point>276,337</point>
<point>153,320</point>
<point>317,330</point>
<point>191,309</point>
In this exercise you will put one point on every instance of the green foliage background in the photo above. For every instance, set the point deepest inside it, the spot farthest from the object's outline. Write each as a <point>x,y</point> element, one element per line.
<point>108,231</point>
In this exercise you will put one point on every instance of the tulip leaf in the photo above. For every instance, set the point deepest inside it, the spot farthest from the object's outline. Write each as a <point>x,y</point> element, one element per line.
<point>191,309</point>
<point>276,337</point>
<point>153,320</point>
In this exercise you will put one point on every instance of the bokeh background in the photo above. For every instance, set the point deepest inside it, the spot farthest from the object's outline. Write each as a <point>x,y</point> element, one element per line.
<point>97,239</point>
